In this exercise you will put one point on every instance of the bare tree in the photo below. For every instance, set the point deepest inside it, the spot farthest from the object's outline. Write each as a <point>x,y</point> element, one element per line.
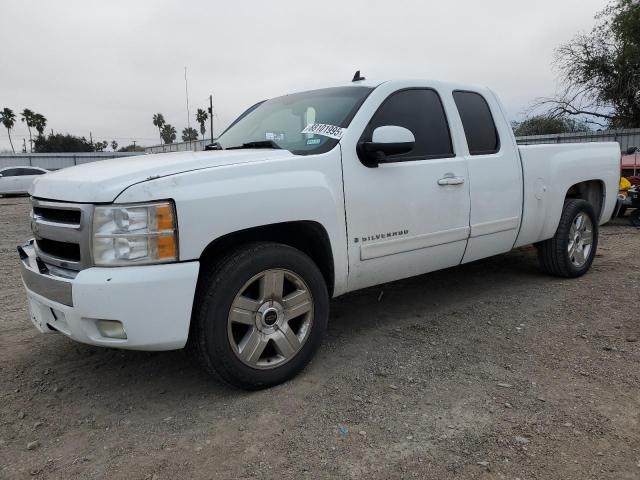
<point>600,71</point>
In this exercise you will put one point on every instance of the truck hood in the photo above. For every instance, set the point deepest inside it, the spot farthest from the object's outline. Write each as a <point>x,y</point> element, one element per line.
<point>103,181</point>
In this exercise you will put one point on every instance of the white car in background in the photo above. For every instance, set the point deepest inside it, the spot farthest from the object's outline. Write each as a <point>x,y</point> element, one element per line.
<point>18,180</point>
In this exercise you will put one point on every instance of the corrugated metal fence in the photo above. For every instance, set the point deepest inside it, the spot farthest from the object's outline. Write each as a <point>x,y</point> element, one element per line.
<point>195,146</point>
<point>56,161</point>
<point>626,138</point>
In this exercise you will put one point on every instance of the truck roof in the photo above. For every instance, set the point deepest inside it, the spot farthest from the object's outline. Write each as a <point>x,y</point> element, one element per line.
<point>403,83</point>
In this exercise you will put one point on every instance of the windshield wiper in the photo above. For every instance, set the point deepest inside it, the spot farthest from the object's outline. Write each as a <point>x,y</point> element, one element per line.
<point>258,144</point>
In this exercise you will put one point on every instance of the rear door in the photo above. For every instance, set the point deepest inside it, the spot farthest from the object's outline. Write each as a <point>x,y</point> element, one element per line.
<point>402,219</point>
<point>495,174</point>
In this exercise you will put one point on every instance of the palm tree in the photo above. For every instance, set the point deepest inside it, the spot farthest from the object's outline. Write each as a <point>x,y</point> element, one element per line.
<point>27,117</point>
<point>114,145</point>
<point>168,133</point>
<point>201,117</point>
<point>8,119</point>
<point>39,122</point>
<point>159,121</point>
<point>189,134</point>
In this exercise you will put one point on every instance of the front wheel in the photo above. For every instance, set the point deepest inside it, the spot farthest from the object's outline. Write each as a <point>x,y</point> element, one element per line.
<point>571,251</point>
<point>260,315</point>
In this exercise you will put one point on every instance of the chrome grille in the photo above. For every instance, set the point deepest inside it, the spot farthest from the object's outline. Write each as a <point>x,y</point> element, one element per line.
<point>62,233</point>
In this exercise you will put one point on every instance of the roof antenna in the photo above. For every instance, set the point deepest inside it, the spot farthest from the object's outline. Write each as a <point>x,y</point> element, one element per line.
<point>357,77</point>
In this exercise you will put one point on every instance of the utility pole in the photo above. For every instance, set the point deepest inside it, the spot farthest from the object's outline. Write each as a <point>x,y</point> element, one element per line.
<point>186,94</point>
<point>134,145</point>
<point>90,138</point>
<point>211,116</point>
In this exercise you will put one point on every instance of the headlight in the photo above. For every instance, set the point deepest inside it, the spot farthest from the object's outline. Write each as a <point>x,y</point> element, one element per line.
<point>134,234</point>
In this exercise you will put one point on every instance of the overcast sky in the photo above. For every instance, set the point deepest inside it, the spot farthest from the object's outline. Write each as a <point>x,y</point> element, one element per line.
<point>107,66</point>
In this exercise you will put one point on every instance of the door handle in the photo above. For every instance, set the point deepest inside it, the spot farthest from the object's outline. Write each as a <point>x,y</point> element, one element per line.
<point>450,181</point>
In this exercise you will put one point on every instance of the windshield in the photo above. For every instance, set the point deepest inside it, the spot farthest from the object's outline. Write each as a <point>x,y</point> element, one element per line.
<point>279,122</point>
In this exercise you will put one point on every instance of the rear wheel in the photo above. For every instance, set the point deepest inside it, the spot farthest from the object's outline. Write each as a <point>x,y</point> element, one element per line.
<point>634,218</point>
<point>571,251</point>
<point>260,315</point>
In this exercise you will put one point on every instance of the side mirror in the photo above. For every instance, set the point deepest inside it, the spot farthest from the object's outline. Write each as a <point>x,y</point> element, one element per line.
<point>385,141</point>
<point>632,150</point>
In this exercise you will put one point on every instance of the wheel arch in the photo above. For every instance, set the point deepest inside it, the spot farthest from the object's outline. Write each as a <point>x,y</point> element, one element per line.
<point>307,236</point>
<point>593,191</point>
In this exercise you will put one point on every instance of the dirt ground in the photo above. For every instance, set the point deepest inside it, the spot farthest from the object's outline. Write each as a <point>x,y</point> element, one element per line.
<point>487,371</point>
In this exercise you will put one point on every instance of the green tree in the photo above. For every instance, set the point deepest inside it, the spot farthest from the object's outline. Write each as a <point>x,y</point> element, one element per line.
<point>201,117</point>
<point>8,119</point>
<point>159,122</point>
<point>114,145</point>
<point>168,133</point>
<point>62,143</point>
<point>189,134</point>
<point>28,118</point>
<point>39,122</point>
<point>132,148</point>
<point>600,70</point>
<point>100,146</point>
<point>545,125</point>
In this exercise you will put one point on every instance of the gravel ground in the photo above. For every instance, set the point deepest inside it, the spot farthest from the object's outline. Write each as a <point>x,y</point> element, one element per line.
<point>490,370</point>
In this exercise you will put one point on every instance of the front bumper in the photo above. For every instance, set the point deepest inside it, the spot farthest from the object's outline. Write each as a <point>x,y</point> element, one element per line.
<point>153,303</point>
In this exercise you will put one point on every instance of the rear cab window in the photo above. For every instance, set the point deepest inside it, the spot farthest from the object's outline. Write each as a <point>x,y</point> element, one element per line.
<point>477,120</point>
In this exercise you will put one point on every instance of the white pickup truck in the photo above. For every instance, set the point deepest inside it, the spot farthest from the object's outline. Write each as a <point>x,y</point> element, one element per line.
<point>235,252</point>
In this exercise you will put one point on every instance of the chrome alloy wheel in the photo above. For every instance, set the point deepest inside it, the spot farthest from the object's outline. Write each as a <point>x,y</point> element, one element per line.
<point>270,319</point>
<point>580,240</point>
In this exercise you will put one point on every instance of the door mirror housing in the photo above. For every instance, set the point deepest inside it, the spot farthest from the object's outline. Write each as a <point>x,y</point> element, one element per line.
<point>385,141</point>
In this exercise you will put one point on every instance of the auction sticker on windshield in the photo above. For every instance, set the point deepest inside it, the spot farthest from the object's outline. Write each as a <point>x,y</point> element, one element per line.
<point>325,130</point>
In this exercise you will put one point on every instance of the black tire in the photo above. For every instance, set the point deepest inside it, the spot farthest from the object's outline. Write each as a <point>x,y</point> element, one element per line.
<point>553,254</point>
<point>634,218</point>
<point>217,288</point>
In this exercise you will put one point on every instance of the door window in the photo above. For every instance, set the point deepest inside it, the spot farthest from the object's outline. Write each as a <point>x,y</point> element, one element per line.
<point>421,112</point>
<point>10,172</point>
<point>29,171</point>
<point>479,127</point>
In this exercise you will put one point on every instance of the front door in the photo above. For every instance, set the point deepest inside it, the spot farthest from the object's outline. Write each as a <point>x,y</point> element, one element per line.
<point>10,181</point>
<point>410,215</point>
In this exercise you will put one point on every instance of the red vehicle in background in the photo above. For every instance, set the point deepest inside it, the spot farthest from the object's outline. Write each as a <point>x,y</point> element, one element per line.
<point>630,196</point>
<point>630,166</point>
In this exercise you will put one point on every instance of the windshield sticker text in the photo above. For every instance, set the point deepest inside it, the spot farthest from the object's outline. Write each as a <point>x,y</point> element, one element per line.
<point>325,130</point>
<point>274,135</point>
